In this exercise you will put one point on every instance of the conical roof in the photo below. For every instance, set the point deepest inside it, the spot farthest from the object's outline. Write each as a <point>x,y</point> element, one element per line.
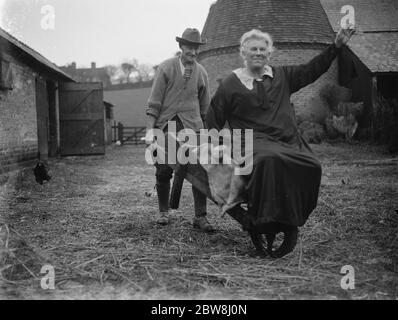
<point>290,21</point>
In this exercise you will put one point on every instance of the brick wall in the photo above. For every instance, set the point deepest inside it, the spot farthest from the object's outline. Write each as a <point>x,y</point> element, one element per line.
<point>18,122</point>
<point>219,66</point>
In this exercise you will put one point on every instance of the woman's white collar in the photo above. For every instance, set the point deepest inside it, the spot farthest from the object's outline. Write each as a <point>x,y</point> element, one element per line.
<point>247,79</point>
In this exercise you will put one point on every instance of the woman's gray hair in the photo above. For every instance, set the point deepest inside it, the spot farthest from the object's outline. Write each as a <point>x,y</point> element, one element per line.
<point>257,35</point>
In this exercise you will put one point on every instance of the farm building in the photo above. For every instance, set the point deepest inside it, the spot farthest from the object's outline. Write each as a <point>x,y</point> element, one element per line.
<point>130,101</point>
<point>369,64</point>
<point>28,104</point>
<point>92,74</point>
<point>300,30</point>
<point>44,112</point>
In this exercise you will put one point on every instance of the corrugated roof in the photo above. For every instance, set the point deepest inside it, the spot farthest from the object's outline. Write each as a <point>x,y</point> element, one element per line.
<point>34,54</point>
<point>303,21</point>
<point>376,40</point>
<point>370,15</point>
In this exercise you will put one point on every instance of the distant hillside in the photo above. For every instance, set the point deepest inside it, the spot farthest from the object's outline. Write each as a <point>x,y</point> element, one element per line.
<point>131,85</point>
<point>130,105</point>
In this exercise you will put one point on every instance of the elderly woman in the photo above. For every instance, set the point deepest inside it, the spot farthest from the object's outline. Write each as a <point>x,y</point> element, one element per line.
<point>283,188</point>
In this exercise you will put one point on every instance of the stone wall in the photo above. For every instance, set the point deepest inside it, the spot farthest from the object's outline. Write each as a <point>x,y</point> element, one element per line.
<point>18,119</point>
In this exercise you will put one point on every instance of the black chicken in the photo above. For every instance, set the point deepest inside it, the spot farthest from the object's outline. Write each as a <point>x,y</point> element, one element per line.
<point>41,173</point>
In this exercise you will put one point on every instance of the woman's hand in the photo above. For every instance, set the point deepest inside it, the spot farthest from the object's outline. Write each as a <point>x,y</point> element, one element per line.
<point>344,35</point>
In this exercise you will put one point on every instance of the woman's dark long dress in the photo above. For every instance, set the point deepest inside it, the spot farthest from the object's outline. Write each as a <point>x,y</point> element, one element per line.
<point>284,184</point>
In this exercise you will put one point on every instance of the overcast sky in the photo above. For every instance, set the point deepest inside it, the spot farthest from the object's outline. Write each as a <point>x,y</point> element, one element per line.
<point>105,31</point>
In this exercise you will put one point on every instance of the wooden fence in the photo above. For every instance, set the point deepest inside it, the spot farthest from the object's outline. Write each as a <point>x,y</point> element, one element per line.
<point>127,135</point>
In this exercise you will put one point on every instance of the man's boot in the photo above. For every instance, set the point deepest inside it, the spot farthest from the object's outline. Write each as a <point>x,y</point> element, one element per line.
<point>200,203</point>
<point>163,191</point>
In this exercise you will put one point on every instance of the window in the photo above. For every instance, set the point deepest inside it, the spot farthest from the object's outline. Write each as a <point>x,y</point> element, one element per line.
<point>5,75</point>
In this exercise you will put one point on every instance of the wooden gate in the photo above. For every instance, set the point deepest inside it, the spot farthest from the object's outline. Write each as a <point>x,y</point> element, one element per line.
<point>128,135</point>
<point>81,118</point>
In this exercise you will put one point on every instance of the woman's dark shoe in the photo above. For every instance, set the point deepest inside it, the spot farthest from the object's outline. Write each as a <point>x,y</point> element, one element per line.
<point>289,243</point>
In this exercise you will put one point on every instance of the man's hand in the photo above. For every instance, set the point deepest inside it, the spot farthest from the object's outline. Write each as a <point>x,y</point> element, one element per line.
<point>149,137</point>
<point>344,35</point>
<point>150,124</point>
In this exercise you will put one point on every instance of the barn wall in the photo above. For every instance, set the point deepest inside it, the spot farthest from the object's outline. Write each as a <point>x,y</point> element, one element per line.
<point>219,66</point>
<point>18,120</point>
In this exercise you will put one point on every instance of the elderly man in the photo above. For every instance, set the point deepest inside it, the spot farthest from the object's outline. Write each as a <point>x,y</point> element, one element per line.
<point>282,189</point>
<point>180,93</point>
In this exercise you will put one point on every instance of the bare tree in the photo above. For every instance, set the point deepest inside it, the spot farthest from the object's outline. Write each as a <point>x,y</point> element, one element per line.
<point>112,70</point>
<point>129,67</point>
<point>145,72</point>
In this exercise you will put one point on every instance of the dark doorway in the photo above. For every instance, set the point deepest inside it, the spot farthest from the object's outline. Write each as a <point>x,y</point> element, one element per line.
<point>42,110</point>
<point>53,120</point>
<point>387,85</point>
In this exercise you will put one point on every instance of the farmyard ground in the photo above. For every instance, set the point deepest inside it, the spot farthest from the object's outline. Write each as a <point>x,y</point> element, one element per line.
<point>95,223</point>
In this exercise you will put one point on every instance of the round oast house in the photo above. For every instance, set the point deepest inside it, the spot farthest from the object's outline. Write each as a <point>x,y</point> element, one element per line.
<point>300,30</point>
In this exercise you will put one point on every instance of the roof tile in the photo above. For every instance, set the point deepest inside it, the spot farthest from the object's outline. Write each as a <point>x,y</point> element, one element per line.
<point>378,51</point>
<point>376,40</point>
<point>287,21</point>
<point>370,15</point>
